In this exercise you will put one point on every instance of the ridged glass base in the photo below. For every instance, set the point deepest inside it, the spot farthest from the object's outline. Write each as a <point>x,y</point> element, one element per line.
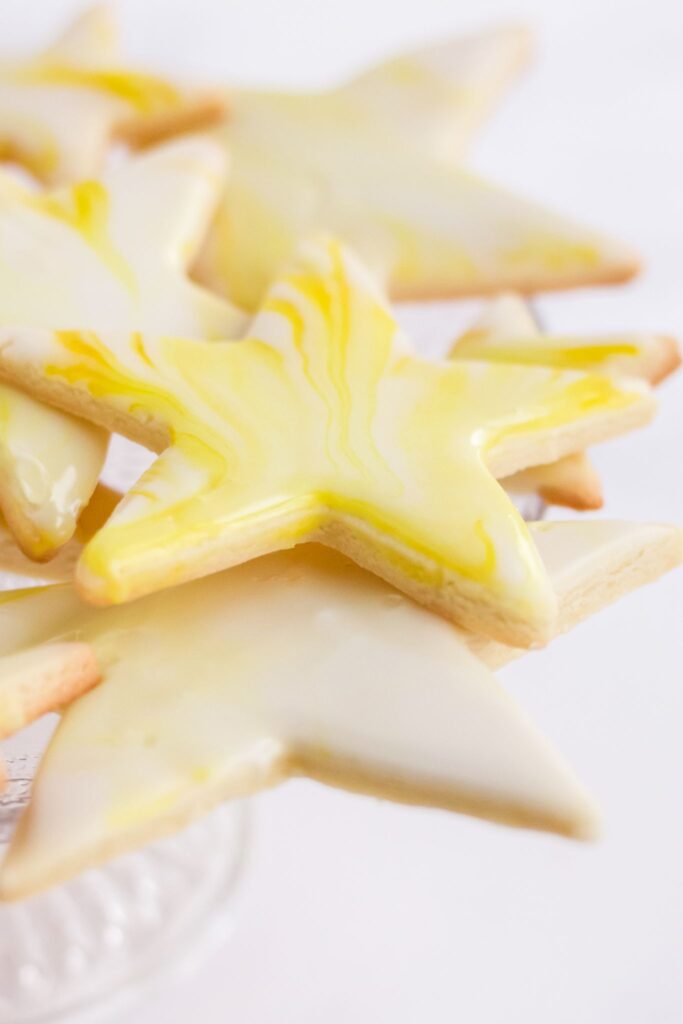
<point>86,950</point>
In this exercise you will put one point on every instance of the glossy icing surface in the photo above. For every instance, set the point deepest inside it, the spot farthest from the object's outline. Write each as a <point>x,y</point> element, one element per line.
<point>507,332</point>
<point>323,424</point>
<point>300,663</point>
<point>59,109</point>
<point>505,320</point>
<point>60,567</point>
<point>370,162</point>
<point>104,254</point>
<point>49,465</point>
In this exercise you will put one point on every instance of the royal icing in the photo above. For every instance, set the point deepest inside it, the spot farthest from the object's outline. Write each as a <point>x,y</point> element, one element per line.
<point>301,663</point>
<point>368,161</point>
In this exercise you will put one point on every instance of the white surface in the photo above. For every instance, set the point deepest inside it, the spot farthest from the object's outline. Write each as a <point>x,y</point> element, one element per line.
<point>358,911</point>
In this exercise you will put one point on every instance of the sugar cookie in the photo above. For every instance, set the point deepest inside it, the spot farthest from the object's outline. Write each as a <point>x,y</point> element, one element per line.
<point>109,253</point>
<point>322,425</point>
<point>60,110</point>
<point>367,161</point>
<point>287,656</point>
<point>439,95</point>
<point>301,663</point>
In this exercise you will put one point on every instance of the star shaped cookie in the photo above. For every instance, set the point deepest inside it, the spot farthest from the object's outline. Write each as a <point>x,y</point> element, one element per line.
<point>323,425</point>
<point>106,253</point>
<point>507,332</point>
<point>376,161</point>
<point>61,110</point>
<point>301,664</point>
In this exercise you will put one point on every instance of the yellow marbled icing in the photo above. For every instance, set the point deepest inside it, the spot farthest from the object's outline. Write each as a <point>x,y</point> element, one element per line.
<point>375,161</point>
<point>321,424</point>
<point>569,354</point>
<point>61,109</point>
<point>107,253</point>
<point>86,208</point>
<point>145,93</point>
<point>507,332</point>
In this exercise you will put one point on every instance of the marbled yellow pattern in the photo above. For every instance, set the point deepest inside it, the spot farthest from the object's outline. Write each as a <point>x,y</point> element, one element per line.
<point>322,424</point>
<point>60,109</point>
<point>107,253</point>
<point>376,161</point>
<point>506,332</point>
<point>143,92</point>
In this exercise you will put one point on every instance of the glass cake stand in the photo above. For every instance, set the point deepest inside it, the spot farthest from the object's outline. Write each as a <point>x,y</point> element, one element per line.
<point>87,950</point>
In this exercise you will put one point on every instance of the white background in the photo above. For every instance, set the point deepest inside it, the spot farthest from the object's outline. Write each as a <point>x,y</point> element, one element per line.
<point>358,911</point>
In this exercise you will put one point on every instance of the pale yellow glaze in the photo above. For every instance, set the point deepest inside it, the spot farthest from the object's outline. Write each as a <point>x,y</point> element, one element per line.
<point>375,162</point>
<point>143,92</point>
<point>103,254</point>
<point>440,94</point>
<point>506,332</point>
<point>60,109</point>
<point>300,663</point>
<point>297,663</point>
<point>322,424</point>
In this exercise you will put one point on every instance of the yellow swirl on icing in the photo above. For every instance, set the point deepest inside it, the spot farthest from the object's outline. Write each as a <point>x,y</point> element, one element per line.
<point>506,332</point>
<point>103,253</point>
<point>146,93</point>
<point>322,424</point>
<point>582,396</point>
<point>61,109</point>
<point>565,353</point>
<point>372,162</point>
<point>85,208</point>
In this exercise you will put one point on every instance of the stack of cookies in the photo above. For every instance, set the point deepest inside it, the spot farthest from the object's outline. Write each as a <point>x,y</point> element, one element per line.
<point>318,573</point>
